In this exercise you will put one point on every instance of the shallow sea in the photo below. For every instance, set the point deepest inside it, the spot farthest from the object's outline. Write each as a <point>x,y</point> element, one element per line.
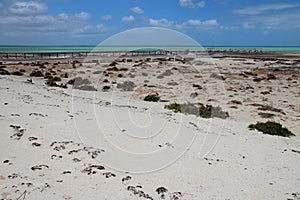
<point>49,49</point>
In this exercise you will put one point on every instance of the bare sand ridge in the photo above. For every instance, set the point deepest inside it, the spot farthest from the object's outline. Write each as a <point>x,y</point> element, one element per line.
<point>65,143</point>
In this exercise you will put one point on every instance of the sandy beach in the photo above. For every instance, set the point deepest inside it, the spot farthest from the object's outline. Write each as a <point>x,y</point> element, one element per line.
<point>96,138</point>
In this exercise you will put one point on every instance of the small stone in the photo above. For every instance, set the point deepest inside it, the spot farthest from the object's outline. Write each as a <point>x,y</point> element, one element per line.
<point>6,161</point>
<point>161,190</point>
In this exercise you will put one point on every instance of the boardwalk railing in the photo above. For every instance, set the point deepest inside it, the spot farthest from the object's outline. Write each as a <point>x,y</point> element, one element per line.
<point>103,54</point>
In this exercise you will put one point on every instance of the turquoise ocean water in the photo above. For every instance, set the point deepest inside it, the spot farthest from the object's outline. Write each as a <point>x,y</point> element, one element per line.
<point>49,49</point>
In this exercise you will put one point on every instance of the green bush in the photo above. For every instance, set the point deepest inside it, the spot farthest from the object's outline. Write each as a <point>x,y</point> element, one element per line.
<point>4,72</point>
<point>36,74</point>
<point>126,86</point>
<point>175,107</point>
<point>201,110</point>
<point>17,73</point>
<point>56,78</point>
<point>209,111</point>
<point>152,97</point>
<point>271,77</point>
<point>271,128</point>
<point>51,81</point>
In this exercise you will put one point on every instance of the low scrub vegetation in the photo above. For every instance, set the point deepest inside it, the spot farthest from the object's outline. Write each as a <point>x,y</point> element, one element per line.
<point>266,115</point>
<point>81,84</point>
<point>204,111</point>
<point>152,98</point>
<point>36,74</point>
<point>271,128</point>
<point>126,86</point>
<point>52,82</point>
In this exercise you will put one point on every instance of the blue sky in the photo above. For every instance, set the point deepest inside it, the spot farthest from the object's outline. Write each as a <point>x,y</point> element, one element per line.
<point>210,22</point>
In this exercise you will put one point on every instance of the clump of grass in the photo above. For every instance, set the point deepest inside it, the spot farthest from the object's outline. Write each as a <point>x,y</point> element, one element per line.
<point>126,86</point>
<point>266,115</point>
<point>36,74</point>
<point>235,102</point>
<point>204,111</point>
<point>113,63</point>
<point>48,76</point>
<point>258,80</point>
<point>17,73</point>
<point>152,98</point>
<point>271,77</point>
<point>270,108</point>
<point>209,111</point>
<point>197,86</point>
<point>271,128</point>
<point>4,72</point>
<point>81,84</point>
<point>52,82</point>
<point>175,107</point>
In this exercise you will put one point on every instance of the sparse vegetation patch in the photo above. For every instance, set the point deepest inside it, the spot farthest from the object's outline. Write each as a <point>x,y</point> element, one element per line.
<point>271,128</point>
<point>152,97</point>
<point>126,86</point>
<point>266,115</point>
<point>204,111</point>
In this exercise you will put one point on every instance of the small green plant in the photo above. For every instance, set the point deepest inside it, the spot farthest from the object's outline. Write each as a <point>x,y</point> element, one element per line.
<point>257,80</point>
<point>17,73</point>
<point>36,74</point>
<point>152,98</point>
<point>4,72</point>
<point>266,115</point>
<point>271,128</point>
<point>209,111</point>
<point>236,102</point>
<point>175,107</point>
<point>271,77</point>
<point>126,86</point>
<point>201,110</point>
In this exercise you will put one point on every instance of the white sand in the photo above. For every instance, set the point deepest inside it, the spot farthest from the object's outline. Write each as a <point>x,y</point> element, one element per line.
<point>70,144</point>
<point>192,158</point>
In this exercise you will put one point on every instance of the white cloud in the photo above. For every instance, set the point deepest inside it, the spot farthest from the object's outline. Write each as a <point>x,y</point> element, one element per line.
<point>211,22</point>
<point>192,23</point>
<point>191,3</point>
<point>254,10</point>
<point>27,8</point>
<point>270,17</point>
<point>61,23</point>
<point>137,10</point>
<point>89,29</point>
<point>128,19</point>
<point>201,4</point>
<point>248,25</point>
<point>161,22</point>
<point>83,16</point>
<point>106,17</point>
<point>207,23</point>
<point>229,28</point>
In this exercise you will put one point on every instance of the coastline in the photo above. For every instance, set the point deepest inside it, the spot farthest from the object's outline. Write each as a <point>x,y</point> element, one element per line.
<point>86,48</point>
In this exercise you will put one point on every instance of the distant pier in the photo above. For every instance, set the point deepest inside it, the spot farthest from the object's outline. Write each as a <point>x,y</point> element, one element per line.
<point>100,55</point>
